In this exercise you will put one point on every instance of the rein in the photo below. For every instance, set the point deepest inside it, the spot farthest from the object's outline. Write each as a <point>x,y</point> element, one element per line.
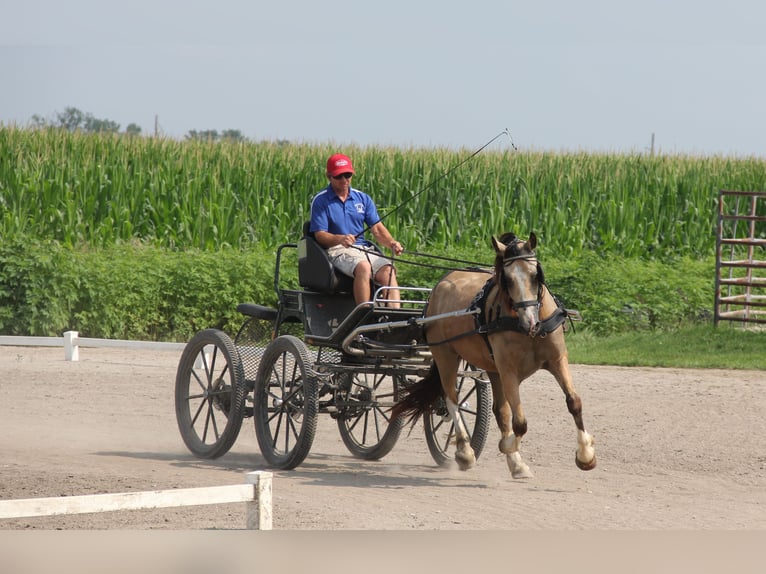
<point>472,265</point>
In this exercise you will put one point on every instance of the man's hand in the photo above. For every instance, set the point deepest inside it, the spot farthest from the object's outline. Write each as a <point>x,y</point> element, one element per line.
<point>396,247</point>
<point>347,240</point>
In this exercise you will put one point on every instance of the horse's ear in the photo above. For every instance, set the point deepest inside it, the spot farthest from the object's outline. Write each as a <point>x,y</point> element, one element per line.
<point>499,247</point>
<point>532,240</point>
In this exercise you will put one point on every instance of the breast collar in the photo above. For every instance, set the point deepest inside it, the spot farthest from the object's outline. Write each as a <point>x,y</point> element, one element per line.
<point>490,320</point>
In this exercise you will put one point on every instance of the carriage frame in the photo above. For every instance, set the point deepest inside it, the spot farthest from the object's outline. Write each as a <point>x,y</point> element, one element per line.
<point>318,352</point>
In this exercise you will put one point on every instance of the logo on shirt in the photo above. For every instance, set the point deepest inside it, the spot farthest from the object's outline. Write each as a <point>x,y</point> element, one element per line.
<point>359,207</point>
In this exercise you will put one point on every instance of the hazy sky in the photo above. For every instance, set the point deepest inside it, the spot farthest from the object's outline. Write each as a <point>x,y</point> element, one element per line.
<point>560,74</point>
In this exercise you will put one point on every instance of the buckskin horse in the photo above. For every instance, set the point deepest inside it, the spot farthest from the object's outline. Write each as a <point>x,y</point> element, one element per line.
<point>514,326</point>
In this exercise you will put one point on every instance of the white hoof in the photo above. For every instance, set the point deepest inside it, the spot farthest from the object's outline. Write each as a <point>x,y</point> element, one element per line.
<point>518,467</point>
<point>585,457</point>
<point>465,459</point>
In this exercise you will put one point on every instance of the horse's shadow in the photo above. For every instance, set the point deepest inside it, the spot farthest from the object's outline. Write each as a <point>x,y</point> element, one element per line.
<point>319,470</point>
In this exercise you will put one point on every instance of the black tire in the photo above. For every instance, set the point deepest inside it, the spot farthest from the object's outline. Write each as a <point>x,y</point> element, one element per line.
<point>364,418</point>
<point>285,403</point>
<point>475,400</point>
<point>210,394</point>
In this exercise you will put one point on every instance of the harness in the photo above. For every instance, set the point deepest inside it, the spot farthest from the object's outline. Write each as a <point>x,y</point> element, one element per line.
<point>492,322</point>
<point>489,320</point>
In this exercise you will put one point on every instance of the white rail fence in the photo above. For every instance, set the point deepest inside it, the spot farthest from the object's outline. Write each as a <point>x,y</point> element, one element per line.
<point>256,493</point>
<point>71,341</point>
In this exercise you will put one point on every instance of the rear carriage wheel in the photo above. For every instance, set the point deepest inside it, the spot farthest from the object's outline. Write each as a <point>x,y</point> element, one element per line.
<point>475,404</point>
<point>285,403</point>
<point>210,394</point>
<point>364,417</point>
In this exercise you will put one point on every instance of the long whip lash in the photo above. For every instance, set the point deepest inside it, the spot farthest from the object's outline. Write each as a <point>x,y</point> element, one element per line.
<point>446,173</point>
<point>471,264</point>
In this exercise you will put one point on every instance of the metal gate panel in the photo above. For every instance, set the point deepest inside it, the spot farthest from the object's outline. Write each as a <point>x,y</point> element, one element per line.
<point>740,286</point>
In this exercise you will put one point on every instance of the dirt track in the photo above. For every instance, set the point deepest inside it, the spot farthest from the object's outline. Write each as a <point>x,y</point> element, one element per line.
<point>677,449</point>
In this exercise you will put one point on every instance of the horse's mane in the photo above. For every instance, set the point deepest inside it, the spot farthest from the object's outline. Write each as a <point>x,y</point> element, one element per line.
<point>513,245</point>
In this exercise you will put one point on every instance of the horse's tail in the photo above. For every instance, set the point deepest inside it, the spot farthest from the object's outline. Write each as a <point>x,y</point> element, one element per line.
<point>419,397</point>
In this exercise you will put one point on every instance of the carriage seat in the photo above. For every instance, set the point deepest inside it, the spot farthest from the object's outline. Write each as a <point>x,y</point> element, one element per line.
<point>315,270</point>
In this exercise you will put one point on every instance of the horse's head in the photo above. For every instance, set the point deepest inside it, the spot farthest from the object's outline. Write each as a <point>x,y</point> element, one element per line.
<point>520,278</point>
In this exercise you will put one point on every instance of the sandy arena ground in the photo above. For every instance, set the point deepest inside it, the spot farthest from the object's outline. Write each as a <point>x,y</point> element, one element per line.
<point>677,449</point>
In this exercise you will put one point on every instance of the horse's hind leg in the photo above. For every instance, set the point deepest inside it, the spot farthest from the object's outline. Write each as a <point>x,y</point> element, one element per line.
<point>513,425</point>
<point>585,455</point>
<point>464,454</point>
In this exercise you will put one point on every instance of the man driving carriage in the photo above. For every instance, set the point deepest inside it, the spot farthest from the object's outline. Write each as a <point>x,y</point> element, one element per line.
<point>339,216</point>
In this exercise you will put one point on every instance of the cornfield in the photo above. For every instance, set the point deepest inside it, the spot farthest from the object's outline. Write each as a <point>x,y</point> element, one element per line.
<point>98,190</point>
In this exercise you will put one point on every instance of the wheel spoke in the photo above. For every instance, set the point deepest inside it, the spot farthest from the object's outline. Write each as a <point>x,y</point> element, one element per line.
<point>279,415</point>
<point>202,385</point>
<point>212,362</point>
<point>207,422</point>
<point>378,410</point>
<point>199,410</point>
<point>450,437</point>
<point>212,418</point>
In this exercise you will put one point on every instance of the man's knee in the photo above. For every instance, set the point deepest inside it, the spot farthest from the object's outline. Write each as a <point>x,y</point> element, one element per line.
<point>363,270</point>
<point>386,275</point>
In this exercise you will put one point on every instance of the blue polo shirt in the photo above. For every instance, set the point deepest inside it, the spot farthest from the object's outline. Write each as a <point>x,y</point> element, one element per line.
<point>329,213</point>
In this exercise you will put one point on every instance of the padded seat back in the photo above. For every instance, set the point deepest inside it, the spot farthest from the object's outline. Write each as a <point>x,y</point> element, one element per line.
<point>315,270</point>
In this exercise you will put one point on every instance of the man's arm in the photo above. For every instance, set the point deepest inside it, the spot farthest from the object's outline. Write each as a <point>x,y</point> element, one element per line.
<point>327,239</point>
<point>383,236</point>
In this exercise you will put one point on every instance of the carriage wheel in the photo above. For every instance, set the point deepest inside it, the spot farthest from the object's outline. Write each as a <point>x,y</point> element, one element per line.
<point>475,404</point>
<point>285,403</point>
<point>364,420</point>
<point>210,394</point>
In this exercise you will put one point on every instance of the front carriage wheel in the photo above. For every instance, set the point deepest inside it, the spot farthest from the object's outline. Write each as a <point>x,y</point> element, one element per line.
<point>286,403</point>
<point>474,407</point>
<point>210,394</point>
<point>364,417</point>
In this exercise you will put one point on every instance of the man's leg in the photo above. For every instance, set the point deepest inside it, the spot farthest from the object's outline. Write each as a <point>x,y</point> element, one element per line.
<point>362,277</point>
<point>386,276</point>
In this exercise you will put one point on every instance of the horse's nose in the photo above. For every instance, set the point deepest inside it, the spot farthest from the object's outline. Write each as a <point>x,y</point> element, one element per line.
<point>534,328</point>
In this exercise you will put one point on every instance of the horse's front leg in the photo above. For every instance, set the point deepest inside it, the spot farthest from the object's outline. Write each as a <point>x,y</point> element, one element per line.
<point>585,455</point>
<point>510,418</point>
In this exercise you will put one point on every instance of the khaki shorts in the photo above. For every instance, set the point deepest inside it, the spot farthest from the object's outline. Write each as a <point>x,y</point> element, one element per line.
<point>345,259</point>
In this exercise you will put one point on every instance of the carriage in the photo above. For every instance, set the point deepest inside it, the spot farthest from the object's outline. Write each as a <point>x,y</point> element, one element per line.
<point>318,352</point>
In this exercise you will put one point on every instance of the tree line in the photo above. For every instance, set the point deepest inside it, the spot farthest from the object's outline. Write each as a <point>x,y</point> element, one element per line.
<point>73,120</point>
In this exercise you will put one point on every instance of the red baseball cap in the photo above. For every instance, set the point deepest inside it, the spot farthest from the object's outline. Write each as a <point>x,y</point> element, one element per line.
<point>339,163</point>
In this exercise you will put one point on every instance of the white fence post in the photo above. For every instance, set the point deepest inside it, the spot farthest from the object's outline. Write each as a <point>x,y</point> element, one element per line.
<point>256,493</point>
<point>71,348</point>
<point>259,510</point>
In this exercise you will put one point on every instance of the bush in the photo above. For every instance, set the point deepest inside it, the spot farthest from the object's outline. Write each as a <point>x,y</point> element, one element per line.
<point>136,291</point>
<point>38,287</point>
<point>616,294</point>
<point>128,291</point>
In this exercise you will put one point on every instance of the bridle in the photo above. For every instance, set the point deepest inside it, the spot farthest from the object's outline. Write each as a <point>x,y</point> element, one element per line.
<point>507,262</point>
